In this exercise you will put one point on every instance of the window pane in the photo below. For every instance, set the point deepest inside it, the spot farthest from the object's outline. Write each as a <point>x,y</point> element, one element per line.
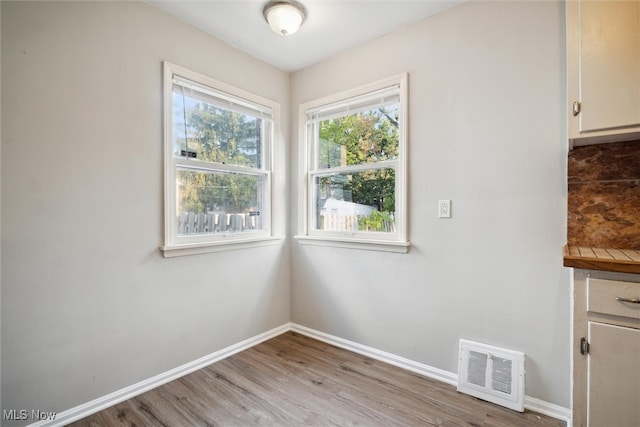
<point>358,201</point>
<point>218,202</point>
<point>208,132</point>
<point>366,137</point>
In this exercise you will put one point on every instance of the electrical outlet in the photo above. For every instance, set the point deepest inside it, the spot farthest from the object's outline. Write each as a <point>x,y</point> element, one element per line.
<point>444,208</point>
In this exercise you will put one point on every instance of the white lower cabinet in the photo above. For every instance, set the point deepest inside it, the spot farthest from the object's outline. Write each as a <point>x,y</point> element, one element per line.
<point>613,376</point>
<point>606,349</point>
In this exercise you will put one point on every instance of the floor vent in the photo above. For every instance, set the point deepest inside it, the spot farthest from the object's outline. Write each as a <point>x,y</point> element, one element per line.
<point>491,373</point>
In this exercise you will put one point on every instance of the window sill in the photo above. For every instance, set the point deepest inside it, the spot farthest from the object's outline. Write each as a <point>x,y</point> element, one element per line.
<point>221,246</point>
<point>370,245</point>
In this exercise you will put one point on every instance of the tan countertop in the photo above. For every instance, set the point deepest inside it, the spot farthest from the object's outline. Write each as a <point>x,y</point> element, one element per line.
<point>604,259</point>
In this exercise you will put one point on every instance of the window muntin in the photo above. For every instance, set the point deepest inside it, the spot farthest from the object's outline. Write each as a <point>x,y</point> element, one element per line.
<point>355,145</point>
<point>218,159</point>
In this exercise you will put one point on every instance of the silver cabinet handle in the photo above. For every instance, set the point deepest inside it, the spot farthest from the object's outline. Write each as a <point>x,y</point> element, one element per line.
<point>576,108</point>
<point>632,301</point>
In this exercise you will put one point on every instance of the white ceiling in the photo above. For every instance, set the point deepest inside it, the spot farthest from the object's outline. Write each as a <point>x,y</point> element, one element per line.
<point>332,26</point>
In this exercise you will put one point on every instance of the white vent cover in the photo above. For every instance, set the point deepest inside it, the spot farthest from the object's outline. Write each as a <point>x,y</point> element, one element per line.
<point>491,373</point>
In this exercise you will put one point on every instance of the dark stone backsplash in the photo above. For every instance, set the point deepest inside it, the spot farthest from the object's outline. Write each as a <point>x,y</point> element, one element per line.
<point>604,196</point>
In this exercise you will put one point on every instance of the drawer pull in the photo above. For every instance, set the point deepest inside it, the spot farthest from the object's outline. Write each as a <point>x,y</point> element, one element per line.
<point>632,301</point>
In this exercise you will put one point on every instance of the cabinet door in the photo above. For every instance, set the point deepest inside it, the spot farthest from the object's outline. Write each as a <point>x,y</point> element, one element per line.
<point>609,62</point>
<point>613,376</point>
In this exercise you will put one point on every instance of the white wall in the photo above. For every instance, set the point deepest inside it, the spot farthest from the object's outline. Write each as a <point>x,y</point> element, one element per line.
<point>486,131</point>
<point>89,305</point>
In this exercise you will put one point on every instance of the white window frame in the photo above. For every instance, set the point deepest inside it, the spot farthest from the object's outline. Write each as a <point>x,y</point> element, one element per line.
<point>390,242</point>
<point>188,245</point>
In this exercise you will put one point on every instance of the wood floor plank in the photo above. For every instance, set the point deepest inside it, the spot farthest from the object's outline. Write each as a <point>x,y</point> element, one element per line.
<point>294,380</point>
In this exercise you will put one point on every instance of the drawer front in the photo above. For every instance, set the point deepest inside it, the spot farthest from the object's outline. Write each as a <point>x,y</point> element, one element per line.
<point>613,297</point>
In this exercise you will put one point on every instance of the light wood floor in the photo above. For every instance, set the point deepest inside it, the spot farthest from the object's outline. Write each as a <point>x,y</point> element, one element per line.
<point>293,380</point>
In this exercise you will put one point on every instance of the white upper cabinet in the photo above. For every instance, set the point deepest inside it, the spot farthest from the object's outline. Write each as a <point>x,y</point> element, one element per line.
<point>603,49</point>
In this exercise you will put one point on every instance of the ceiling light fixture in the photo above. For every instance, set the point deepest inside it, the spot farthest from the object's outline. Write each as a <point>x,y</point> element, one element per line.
<point>284,16</point>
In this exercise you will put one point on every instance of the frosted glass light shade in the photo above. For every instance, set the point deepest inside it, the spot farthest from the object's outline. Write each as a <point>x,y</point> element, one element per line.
<point>284,17</point>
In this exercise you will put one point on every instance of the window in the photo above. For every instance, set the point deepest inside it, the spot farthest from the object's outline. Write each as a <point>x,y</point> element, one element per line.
<point>354,168</point>
<point>218,149</point>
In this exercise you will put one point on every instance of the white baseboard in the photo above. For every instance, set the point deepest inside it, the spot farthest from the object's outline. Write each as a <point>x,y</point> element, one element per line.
<point>545,408</point>
<point>89,408</point>
<point>530,403</point>
<point>383,356</point>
